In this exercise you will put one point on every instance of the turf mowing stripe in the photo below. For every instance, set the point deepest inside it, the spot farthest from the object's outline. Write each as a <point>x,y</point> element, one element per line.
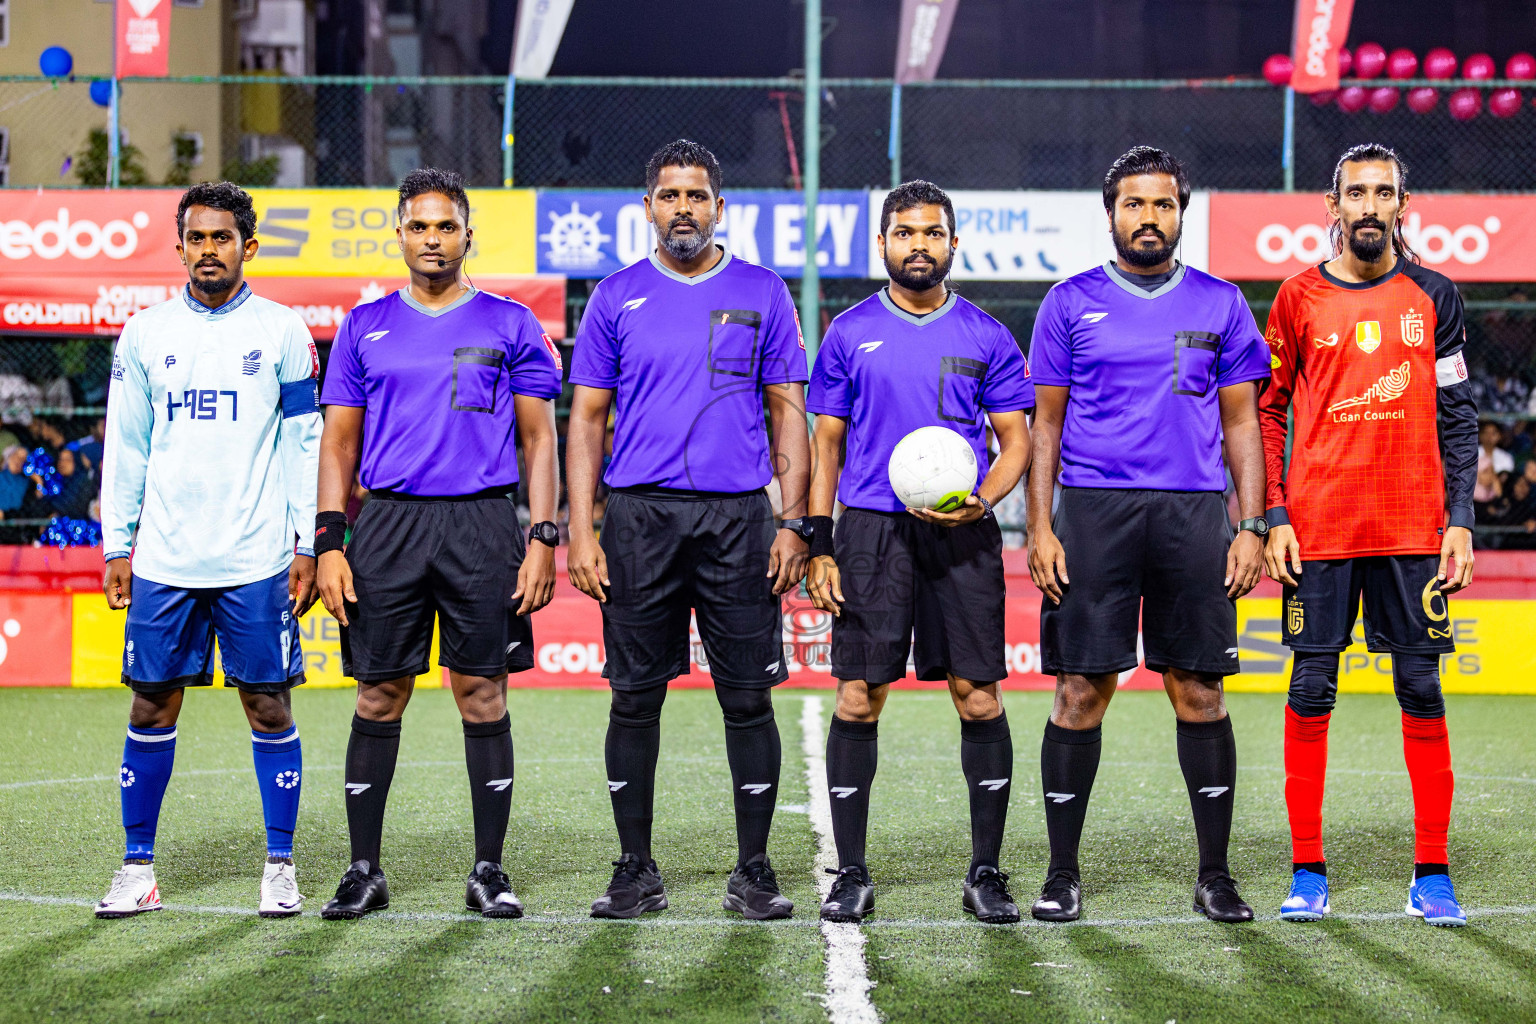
<point>918,924</point>
<point>848,984</point>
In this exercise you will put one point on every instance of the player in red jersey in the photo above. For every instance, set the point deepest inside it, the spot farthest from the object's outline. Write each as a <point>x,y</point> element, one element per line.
<point>1376,503</point>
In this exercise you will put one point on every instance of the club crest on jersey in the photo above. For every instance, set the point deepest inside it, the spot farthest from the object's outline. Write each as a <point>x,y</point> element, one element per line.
<point>1413,329</point>
<point>250,362</point>
<point>1368,336</point>
<point>1294,616</point>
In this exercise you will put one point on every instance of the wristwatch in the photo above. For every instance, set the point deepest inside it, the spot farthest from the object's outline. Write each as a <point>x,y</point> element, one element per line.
<point>545,533</point>
<point>1257,525</point>
<point>801,528</point>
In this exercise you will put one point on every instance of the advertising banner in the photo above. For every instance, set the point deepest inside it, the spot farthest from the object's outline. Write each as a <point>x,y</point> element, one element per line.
<point>1320,29</point>
<point>1039,236</point>
<point>103,302</point>
<point>922,37</point>
<point>142,38</point>
<point>593,234</point>
<point>34,638</point>
<point>1264,236</point>
<point>303,232</point>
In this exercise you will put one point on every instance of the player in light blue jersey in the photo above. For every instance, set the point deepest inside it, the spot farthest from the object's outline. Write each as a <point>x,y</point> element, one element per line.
<point>207,512</point>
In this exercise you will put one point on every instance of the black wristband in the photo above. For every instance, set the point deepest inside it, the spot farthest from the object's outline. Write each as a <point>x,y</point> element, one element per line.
<point>821,538</point>
<point>330,532</point>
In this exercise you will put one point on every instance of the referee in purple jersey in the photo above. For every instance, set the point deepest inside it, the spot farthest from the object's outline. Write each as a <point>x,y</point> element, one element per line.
<point>1146,371</point>
<point>430,388</point>
<point>697,349</point>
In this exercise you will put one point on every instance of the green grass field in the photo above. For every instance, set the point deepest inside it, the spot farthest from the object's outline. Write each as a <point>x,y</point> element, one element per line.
<point>1141,955</point>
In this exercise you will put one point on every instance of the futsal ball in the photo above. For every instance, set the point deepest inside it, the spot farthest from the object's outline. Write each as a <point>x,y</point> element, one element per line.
<point>933,467</point>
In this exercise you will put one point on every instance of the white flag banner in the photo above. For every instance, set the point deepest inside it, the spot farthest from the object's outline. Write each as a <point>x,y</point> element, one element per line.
<point>540,24</point>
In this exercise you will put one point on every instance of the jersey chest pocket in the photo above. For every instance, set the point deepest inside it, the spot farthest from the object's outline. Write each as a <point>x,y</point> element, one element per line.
<point>960,381</point>
<point>1194,362</point>
<point>733,346</point>
<point>477,378</point>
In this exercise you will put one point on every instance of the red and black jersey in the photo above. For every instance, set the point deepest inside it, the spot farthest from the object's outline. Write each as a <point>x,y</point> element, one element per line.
<point>1385,442</point>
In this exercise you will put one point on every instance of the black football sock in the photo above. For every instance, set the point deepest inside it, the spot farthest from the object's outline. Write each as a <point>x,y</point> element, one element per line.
<point>752,747</point>
<point>986,758</point>
<point>1208,758</point>
<point>1069,760</point>
<point>488,756</point>
<point>852,753</point>
<point>371,755</point>
<point>634,740</point>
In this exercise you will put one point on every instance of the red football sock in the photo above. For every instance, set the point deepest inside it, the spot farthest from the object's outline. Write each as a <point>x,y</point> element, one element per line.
<point>1306,766</point>
<point>1427,749</point>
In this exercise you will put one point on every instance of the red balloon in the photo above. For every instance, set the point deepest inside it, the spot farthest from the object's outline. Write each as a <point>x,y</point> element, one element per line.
<point>1522,66</point>
<point>1439,63</point>
<point>1423,99</point>
<point>1278,68</point>
<point>1346,61</point>
<point>1464,104</point>
<point>1370,58</point>
<point>1401,63</point>
<point>1354,99</point>
<point>1382,99</point>
<point>1324,97</point>
<point>1478,67</point>
<point>1504,102</point>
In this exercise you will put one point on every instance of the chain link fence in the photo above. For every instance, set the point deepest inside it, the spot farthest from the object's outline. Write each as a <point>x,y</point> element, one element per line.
<point>597,132</point>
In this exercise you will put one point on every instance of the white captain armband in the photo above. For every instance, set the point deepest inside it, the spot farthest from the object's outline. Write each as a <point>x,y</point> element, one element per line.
<point>1451,370</point>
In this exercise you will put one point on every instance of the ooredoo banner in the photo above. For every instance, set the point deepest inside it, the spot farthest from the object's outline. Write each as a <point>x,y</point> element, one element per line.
<point>1261,236</point>
<point>1321,28</point>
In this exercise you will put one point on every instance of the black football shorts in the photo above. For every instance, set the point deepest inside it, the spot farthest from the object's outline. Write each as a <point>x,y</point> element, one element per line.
<point>910,586</point>
<point>1155,556</point>
<point>454,560</point>
<point>1405,612</point>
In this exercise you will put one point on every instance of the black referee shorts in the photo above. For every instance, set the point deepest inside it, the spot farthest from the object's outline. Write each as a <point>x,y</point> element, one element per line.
<point>1405,610</point>
<point>452,559</point>
<point>670,552</point>
<point>904,579</point>
<point>1159,556</point>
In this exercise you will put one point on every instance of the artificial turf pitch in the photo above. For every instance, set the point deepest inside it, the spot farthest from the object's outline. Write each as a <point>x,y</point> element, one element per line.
<point>1141,956</point>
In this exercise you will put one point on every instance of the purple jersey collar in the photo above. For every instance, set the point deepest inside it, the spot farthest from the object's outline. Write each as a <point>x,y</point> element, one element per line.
<point>718,268</point>
<point>1140,293</point>
<point>411,301</point>
<point>912,318</point>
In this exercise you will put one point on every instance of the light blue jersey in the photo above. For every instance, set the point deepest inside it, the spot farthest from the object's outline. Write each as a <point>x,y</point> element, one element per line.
<point>213,442</point>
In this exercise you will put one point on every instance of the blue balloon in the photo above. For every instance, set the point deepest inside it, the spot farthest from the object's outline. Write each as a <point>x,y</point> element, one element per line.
<point>101,93</point>
<point>56,62</point>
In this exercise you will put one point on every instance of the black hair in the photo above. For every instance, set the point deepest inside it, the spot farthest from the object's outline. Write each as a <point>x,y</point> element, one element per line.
<point>1144,160</point>
<point>682,153</point>
<point>432,179</point>
<point>909,195</point>
<point>219,195</point>
<point>1368,151</point>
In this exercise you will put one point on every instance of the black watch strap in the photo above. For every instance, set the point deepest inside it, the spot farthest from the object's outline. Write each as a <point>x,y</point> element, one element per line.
<point>545,533</point>
<point>821,535</point>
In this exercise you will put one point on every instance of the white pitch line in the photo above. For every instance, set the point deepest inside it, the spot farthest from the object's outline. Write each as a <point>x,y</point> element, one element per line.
<point>848,984</point>
<point>1474,914</point>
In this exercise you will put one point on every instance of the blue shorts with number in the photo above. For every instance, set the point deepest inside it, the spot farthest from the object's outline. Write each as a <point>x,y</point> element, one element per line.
<point>171,630</point>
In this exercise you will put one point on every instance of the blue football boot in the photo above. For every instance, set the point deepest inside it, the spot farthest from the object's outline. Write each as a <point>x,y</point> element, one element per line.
<point>1308,900</point>
<point>1433,899</point>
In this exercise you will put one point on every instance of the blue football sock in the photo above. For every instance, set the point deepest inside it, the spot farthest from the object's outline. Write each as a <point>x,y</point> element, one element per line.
<point>148,755</point>
<point>279,765</point>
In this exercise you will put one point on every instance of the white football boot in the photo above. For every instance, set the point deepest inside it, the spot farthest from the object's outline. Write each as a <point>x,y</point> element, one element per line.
<point>133,891</point>
<point>280,896</point>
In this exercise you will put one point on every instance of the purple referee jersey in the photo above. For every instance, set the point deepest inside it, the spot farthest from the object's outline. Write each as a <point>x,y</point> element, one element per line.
<point>687,358</point>
<point>889,372</point>
<point>437,387</point>
<point>1144,369</point>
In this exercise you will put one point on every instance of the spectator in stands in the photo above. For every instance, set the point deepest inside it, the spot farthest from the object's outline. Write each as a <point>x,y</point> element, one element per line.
<point>1493,464</point>
<point>48,435</point>
<point>77,486</point>
<point>90,446</point>
<point>14,483</point>
<point>1521,509</point>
